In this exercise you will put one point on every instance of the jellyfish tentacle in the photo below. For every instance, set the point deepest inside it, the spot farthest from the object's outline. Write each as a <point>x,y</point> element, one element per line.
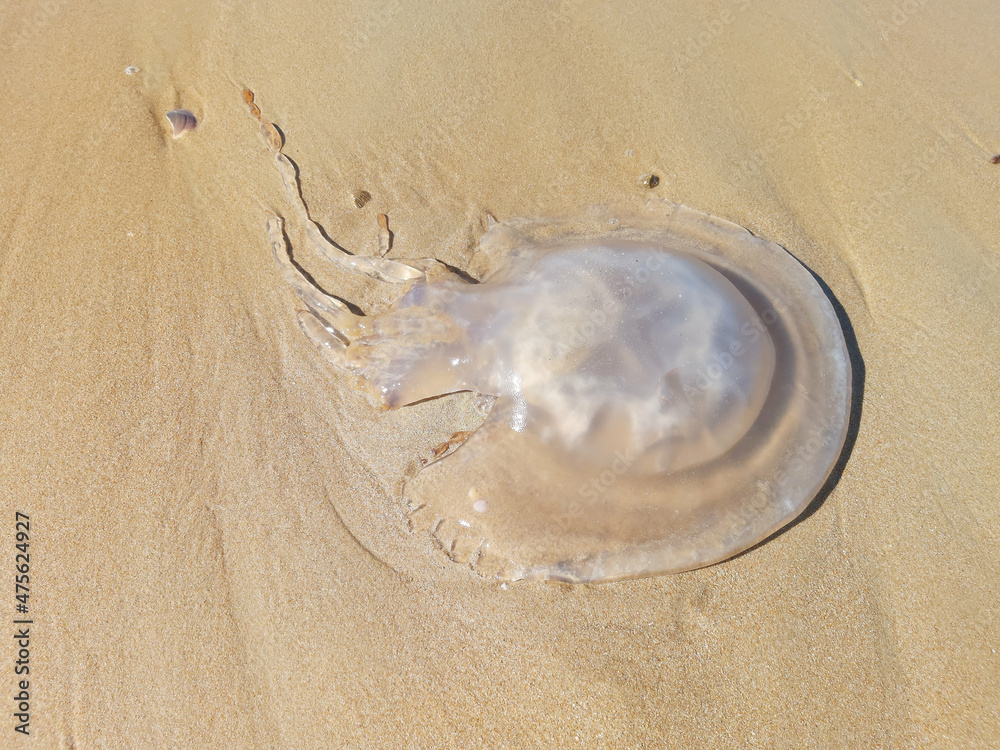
<point>432,270</point>
<point>345,321</point>
<point>327,339</point>
<point>383,269</point>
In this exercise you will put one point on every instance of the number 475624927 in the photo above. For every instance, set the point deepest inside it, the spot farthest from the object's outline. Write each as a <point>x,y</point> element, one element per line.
<point>22,562</point>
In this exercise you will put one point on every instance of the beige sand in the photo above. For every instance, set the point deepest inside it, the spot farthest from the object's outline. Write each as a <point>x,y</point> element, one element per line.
<point>219,554</point>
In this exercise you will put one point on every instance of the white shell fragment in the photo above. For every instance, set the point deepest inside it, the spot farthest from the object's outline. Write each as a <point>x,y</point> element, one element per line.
<point>670,390</point>
<point>181,121</point>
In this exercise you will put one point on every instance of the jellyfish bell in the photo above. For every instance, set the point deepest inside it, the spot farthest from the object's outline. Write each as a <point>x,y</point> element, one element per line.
<point>702,415</point>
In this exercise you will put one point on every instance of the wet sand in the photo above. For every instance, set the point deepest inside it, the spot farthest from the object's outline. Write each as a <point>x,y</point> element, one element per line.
<point>219,553</point>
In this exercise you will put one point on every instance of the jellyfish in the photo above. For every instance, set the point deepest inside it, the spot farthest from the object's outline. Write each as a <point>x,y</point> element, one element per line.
<point>665,390</point>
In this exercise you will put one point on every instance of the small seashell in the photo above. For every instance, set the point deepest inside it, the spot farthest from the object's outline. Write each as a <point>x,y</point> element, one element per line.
<point>181,121</point>
<point>995,159</point>
<point>361,198</point>
<point>131,70</point>
<point>650,181</point>
<point>271,134</point>
<point>384,235</point>
<point>248,98</point>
